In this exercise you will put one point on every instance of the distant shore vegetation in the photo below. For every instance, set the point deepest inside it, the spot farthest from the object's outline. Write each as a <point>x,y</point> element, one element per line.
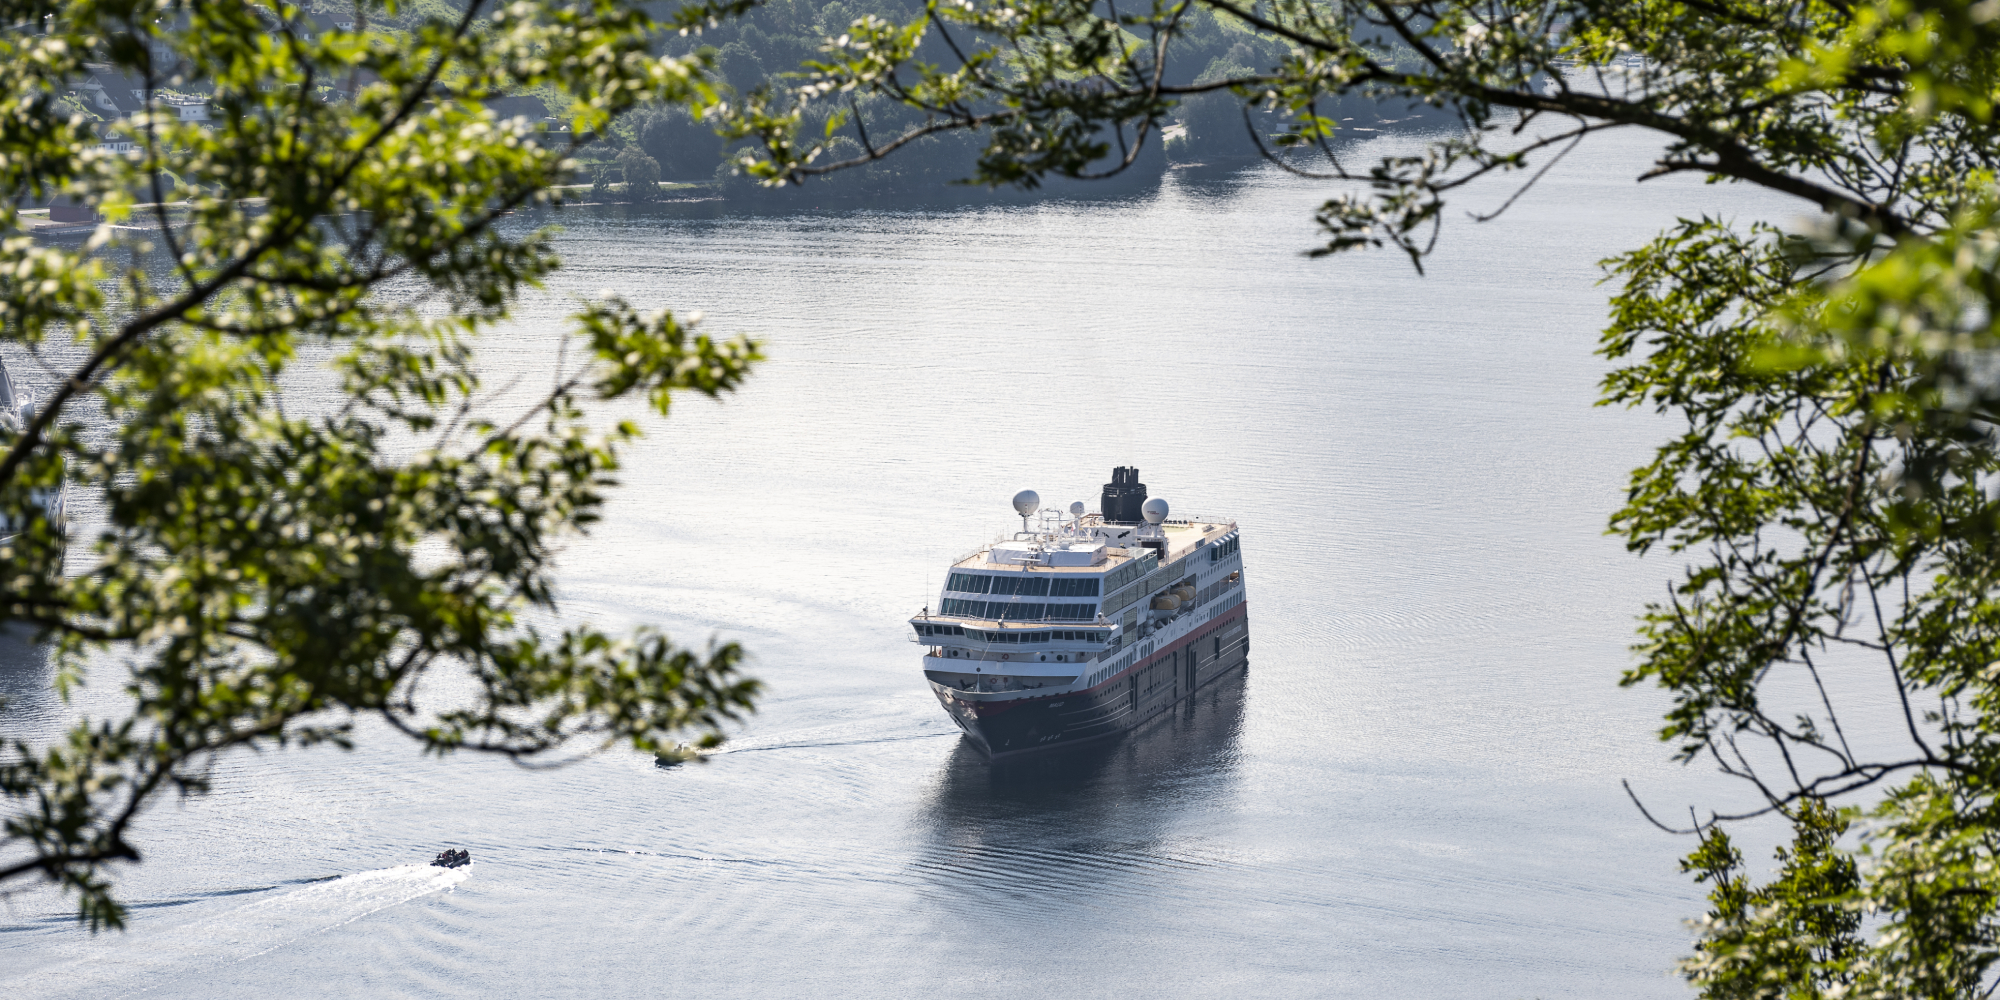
<point>774,40</point>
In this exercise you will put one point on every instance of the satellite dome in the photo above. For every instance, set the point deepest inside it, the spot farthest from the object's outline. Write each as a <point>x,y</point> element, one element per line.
<point>1026,501</point>
<point>1155,510</point>
<point>1077,508</point>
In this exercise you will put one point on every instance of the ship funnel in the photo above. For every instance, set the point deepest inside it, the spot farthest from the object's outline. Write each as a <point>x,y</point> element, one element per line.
<point>1123,496</point>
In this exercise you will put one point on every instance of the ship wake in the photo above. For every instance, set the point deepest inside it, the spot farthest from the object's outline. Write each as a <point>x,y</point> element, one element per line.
<point>153,955</point>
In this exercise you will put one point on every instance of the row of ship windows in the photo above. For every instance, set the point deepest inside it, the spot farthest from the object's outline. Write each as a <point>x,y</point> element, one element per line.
<point>1215,634</point>
<point>1054,635</point>
<point>1024,586</point>
<point>1119,664</point>
<point>1129,572</point>
<point>1004,611</point>
<point>1223,550</point>
<point>1098,677</point>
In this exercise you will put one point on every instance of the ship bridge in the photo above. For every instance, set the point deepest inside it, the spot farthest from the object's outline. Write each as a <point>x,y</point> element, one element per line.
<point>1072,590</point>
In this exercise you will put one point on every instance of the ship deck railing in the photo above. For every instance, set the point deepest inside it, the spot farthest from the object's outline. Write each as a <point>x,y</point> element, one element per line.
<point>932,641</point>
<point>1002,685</point>
<point>1091,655</point>
<point>1217,525</point>
<point>1015,624</point>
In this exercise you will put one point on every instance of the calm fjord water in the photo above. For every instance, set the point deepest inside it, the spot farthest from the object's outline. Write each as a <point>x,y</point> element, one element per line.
<point>1413,792</point>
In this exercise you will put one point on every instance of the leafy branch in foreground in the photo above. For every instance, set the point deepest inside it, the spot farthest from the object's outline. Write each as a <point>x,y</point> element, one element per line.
<point>1831,491</point>
<point>1796,936</point>
<point>1824,102</point>
<point>274,568</point>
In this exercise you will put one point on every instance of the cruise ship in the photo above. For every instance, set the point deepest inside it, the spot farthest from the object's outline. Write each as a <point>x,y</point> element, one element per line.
<point>1082,626</point>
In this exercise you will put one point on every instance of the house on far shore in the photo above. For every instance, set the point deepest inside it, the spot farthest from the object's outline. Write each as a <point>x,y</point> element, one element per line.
<point>190,107</point>
<point>113,94</point>
<point>110,141</point>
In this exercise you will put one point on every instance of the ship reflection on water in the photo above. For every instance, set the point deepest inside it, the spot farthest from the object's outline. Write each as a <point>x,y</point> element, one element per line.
<point>1075,822</point>
<point>27,668</point>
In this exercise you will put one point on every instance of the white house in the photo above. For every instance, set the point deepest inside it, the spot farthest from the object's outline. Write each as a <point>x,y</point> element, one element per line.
<point>190,109</point>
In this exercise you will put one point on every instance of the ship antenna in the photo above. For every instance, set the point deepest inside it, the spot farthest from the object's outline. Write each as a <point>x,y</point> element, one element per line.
<point>1025,503</point>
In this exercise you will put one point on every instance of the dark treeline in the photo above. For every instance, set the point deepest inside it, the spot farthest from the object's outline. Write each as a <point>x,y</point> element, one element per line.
<point>778,36</point>
<point>773,39</point>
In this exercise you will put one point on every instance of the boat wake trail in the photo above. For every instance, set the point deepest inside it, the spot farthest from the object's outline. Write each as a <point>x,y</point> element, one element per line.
<point>150,956</point>
<point>836,743</point>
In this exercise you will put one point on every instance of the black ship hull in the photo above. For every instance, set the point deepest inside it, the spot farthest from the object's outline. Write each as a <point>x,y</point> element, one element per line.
<point>1147,690</point>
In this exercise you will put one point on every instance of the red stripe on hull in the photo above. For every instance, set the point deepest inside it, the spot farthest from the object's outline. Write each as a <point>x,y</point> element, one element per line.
<point>1128,700</point>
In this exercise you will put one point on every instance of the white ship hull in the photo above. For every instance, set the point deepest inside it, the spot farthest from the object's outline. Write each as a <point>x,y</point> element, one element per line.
<point>1137,686</point>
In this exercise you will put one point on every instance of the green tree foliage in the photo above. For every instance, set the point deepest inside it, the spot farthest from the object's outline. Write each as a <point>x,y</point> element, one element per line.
<point>684,147</point>
<point>772,38</point>
<point>1831,492</point>
<point>1830,487</point>
<point>755,50</point>
<point>600,181</point>
<point>641,173</point>
<point>273,570</point>
<point>1796,936</point>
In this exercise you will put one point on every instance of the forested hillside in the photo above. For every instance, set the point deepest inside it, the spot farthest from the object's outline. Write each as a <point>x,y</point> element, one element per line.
<point>774,39</point>
<point>778,36</point>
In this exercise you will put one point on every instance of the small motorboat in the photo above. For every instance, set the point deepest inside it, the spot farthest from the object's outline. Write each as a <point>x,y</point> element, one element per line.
<point>449,858</point>
<point>681,753</point>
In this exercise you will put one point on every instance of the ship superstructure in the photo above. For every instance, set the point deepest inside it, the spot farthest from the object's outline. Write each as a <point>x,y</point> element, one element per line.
<point>1084,625</point>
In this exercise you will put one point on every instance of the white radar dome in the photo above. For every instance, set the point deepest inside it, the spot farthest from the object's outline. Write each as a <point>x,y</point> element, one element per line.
<point>1154,510</point>
<point>1077,508</point>
<point>1026,501</point>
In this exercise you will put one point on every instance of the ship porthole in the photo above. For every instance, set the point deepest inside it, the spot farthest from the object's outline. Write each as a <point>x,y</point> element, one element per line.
<point>1044,657</point>
<point>1006,656</point>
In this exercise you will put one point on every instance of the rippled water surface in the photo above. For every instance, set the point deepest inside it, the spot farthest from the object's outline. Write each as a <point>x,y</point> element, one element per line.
<point>1414,791</point>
